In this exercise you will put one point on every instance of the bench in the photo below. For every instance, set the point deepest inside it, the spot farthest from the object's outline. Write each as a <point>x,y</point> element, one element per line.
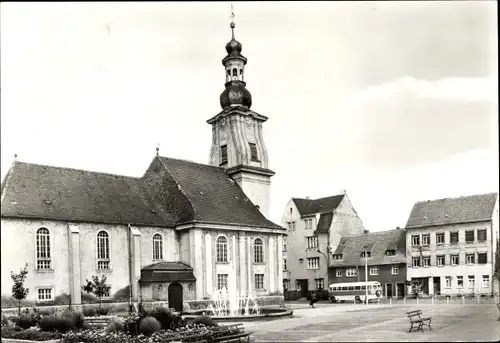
<point>416,319</point>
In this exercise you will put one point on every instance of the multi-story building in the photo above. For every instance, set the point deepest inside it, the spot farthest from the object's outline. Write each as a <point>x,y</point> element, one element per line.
<point>384,253</point>
<point>451,245</point>
<point>314,228</point>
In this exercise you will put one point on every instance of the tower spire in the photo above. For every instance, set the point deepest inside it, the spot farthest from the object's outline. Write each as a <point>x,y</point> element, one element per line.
<point>232,25</point>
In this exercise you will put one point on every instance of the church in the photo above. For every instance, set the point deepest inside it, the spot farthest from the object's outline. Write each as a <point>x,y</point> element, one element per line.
<point>178,233</point>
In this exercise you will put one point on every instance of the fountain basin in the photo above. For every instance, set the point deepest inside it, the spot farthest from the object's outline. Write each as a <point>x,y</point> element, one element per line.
<point>265,313</point>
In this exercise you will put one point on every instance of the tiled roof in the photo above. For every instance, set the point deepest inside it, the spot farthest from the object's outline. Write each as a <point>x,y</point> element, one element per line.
<point>377,243</point>
<point>170,192</point>
<point>167,272</point>
<point>452,210</point>
<point>215,197</point>
<point>324,223</point>
<point>307,207</point>
<point>46,192</point>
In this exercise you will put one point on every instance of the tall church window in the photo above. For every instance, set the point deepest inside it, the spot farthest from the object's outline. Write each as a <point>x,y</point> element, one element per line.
<point>221,249</point>
<point>235,74</point>
<point>253,152</point>
<point>43,260</point>
<point>223,154</point>
<point>258,251</point>
<point>157,247</point>
<point>102,250</point>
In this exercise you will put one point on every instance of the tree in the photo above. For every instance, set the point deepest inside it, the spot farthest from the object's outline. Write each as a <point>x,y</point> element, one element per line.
<point>496,274</point>
<point>19,292</point>
<point>97,287</point>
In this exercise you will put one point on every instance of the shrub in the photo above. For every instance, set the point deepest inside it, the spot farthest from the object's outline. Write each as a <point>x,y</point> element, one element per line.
<point>123,294</point>
<point>5,320</point>
<point>102,311</point>
<point>89,298</point>
<point>29,334</point>
<point>55,323</point>
<point>205,320</point>
<point>149,325</point>
<point>89,312</point>
<point>75,317</point>
<point>115,325</point>
<point>62,299</point>
<point>25,321</point>
<point>47,311</point>
<point>164,316</point>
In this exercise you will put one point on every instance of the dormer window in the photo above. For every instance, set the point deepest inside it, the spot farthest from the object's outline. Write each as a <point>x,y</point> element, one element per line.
<point>390,252</point>
<point>253,152</point>
<point>223,154</point>
<point>337,256</point>
<point>368,254</point>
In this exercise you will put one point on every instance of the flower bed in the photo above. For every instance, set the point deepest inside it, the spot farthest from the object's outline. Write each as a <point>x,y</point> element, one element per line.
<point>31,334</point>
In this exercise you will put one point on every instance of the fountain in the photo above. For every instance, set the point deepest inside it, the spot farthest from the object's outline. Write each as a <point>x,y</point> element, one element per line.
<point>229,305</point>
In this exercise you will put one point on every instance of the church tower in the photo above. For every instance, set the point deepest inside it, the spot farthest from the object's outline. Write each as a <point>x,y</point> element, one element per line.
<point>237,140</point>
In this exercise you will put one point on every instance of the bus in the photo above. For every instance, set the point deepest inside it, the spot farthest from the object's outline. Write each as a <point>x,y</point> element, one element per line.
<point>354,291</point>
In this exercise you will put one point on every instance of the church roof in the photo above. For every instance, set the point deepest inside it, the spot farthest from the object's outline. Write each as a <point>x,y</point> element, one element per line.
<point>307,207</point>
<point>170,193</point>
<point>473,208</point>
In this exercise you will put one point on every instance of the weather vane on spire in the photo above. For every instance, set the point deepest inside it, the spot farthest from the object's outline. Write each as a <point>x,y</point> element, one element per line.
<point>232,19</point>
<point>157,149</point>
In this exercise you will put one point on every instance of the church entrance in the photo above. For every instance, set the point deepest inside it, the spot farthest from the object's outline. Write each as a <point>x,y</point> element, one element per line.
<point>175,296</point>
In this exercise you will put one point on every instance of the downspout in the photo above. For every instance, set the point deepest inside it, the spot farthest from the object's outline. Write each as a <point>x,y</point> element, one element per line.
<point>129,239</point>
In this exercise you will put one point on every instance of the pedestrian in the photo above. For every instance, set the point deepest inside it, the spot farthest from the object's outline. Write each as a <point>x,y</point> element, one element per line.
<point>313,299</point>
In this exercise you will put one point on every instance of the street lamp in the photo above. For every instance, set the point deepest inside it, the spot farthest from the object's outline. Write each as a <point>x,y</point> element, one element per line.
<point>327,257</point>
<point>366,278</point>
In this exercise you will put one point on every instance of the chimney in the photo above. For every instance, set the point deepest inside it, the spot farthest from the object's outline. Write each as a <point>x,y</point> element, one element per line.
<point>397,228</point>
<point>366,231</point>
<point>308,197</point>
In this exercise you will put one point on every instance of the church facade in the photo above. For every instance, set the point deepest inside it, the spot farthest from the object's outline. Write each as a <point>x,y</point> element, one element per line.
<point>178,233</point>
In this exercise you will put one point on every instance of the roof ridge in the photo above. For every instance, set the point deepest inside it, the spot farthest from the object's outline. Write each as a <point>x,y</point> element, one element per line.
<point>192,162</point>
<point>372,233</point>
<point>457,197</point>
<point>327,197</point>
<point>178,187</point>
<point>5,182</point>
<point>78,170</point>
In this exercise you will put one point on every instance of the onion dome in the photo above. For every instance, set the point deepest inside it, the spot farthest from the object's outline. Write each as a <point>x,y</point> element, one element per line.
<point>233,48</point>
<point>235,94</point>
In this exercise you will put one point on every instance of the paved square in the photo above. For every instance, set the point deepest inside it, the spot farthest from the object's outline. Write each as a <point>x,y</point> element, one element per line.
<point>341,323</point>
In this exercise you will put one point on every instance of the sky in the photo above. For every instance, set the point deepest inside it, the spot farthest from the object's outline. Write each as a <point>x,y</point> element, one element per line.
<point>393,102</point>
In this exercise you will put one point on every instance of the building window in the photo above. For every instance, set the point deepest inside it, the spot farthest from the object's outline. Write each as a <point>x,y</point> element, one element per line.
<point>454,237</point>
<point>312,242</point>
<point>470,259</point>
<point>313,263</point>
<point>351,272</point>
<point>460,281</point>
<point>426,239</point>
<point>43,260</point>
<point>259,281</point>
<point>373,270</point>
<point>338,272</point>
<point>454,260</point>
<point>448,282</point>
<point>440,260</point>
<point>102,250</point>
<point>44,294</point>
<point>157,247</point>
<point>253,152</point>
<point>426,261</point>
<point>471,281</point>
<point>223,154</point>
<point>416,261</point>
<point>395,270</point>
<point>486,281</point>
<point>337,256</point>
<point>258,251</point>
<point>222,281</point>
<point>284,244</point>
<point>368,254</point>
<point>308,223</point>
<point>284,264</point>
<point>469,236</point>
<point>291,226</point>
<point>320,284</point>
<point>439,238</point>
<point>390,252</point>
<point>481,235</point>
<point>221,249</point>
<point>415,240</point>
<point>482,258</point>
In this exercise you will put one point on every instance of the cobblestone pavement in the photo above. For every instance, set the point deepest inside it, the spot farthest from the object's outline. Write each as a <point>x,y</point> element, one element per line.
<point>373,323</point>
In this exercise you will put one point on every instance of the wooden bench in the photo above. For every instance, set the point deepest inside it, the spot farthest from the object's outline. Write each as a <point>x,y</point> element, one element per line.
<point>416,319</point>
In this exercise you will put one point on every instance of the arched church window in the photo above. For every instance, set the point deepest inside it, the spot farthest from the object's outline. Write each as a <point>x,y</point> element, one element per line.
<point>221,249</point>
<point>258,251</point>
<point>235,74</point>
<point>43,259</point>
<point>102,250</point>
<point>157,247</point>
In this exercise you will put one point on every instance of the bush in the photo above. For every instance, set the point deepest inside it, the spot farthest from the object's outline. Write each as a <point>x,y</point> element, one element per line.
<point>89,299</point>
<point>115,325</point>
<point>8,302</point>
<point>205,320</point>
<point>25,321</point>
<point>62,299</point>
<point>149,325</point>
<point>75,317</point>
<point>29,334</point>
<point>123,294</point>
<point>55,323</point>
<point>164,316</point>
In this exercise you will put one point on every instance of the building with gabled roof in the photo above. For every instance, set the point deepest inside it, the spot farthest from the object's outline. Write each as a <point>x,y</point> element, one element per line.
<point>451,245</point>
<point>178,233</point>
<point>385,253</point>
<point>314,228</point>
